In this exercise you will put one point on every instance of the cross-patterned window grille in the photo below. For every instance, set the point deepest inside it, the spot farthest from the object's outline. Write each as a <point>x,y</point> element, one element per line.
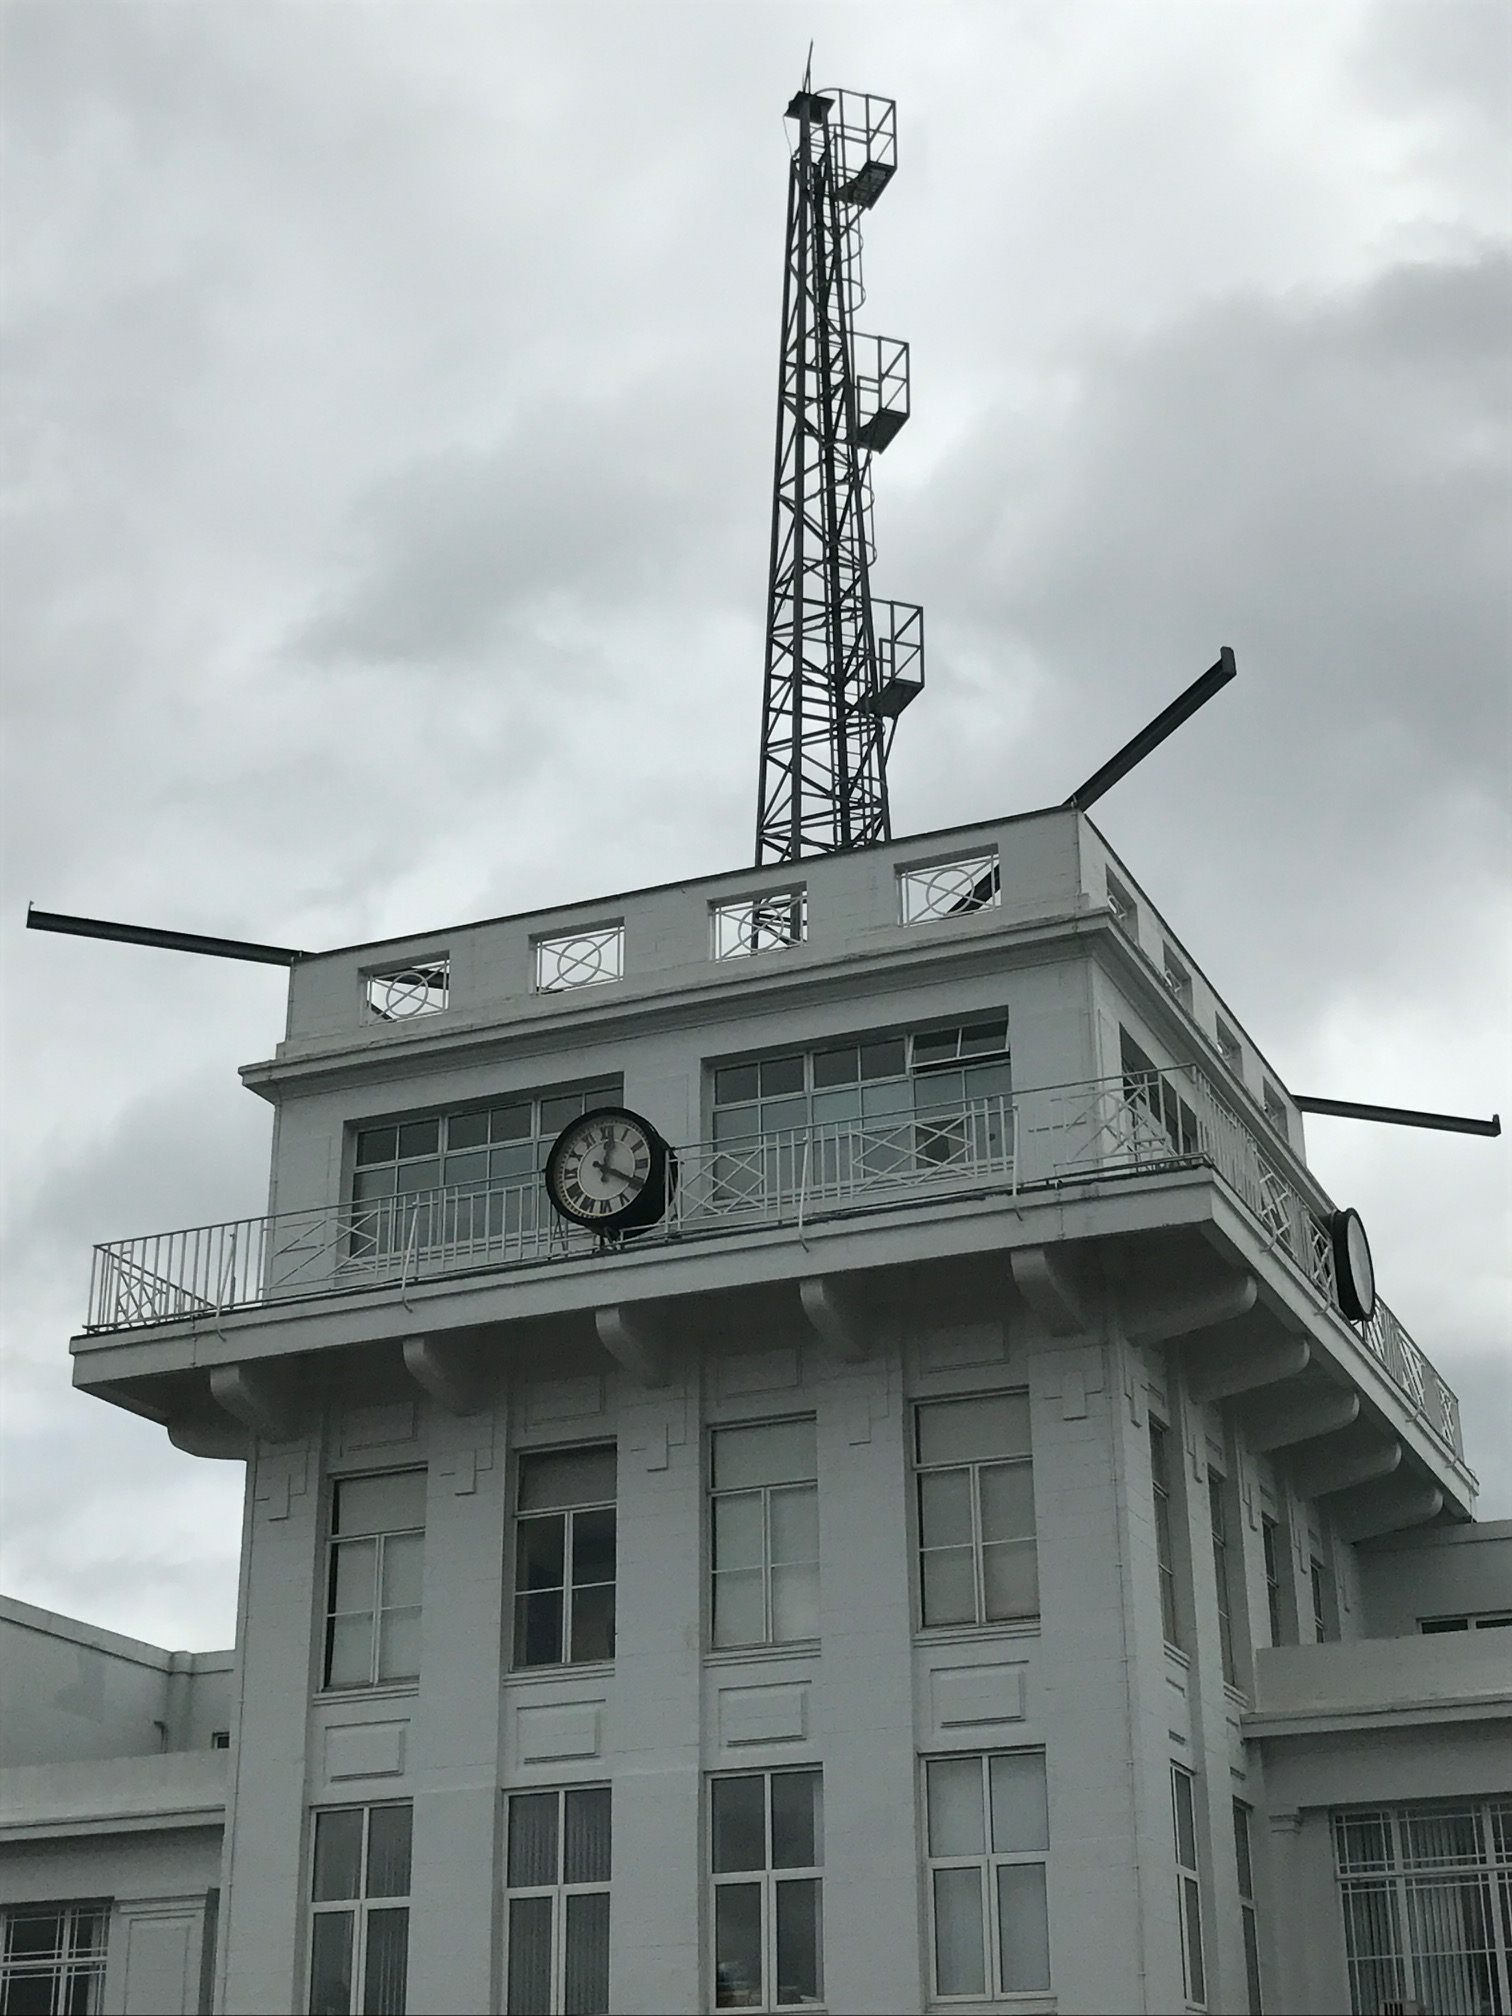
<point>949,888</point>
<point>1424,1891</point>
<point>399,993</point>
<point>53,1961</point>
<point>770,922</point>
<point>579,959</point>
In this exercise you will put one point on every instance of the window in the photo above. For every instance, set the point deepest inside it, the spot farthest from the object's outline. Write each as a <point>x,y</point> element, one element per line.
<point>765,1511</point>
<point>1275,1109</point>
<point>977,1555</point>
<point>1188,1889</point>
<point>906,1092</point>
<point>1160,1486</point>
<point>557,1872</point>
<point>1121,903</point>
<point>579,959</point>
<point>359,1905</point>
<point>770,922</point>
<point>989,1839</point>
<point>1270,1542</point>
<point>373,1601</point>
<point>1424,1891</point>
<point>1325,1610</point>
<point>564,1557</point>
<point>1218,1514</point>
<point>398,993</point>
<point>1177,978</point>
<point>1156,1103</point>
<point>1245,1864</point>
<point>53,1962</point>
<point>767,1836</point>
<point>488,1160</point>
<point>949,888</point>
<point>1230,1049</point>
<point>220,1739</point>
<point>1481,1620</point>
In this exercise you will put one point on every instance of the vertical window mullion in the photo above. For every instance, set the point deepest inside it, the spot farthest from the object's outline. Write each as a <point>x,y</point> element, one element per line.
<point>566,1645</point>
<point>991,1930</point>
<point>978,1564</point>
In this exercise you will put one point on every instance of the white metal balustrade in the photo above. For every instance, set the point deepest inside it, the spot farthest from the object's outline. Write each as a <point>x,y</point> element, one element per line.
<point>1108,1129</point>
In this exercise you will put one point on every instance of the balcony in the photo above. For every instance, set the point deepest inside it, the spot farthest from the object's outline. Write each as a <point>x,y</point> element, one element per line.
<point>1041,1146</point>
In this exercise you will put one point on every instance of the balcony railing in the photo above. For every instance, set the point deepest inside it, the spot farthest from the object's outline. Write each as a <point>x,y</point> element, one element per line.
<point>1120,1128</point>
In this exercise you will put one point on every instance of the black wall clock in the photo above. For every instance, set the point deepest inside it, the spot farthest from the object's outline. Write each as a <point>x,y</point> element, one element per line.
<point>610,1170</point>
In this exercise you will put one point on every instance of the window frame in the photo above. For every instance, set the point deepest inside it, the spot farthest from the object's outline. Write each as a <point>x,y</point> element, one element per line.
<point>1325,1593</point>
<point>769,1878</point>
<point>1273,1558</point>
<point>560,1891</point>
<point>567,1514</point>
<point>1244,1865</point>
<point>715,1494</point>
<point>362,1907</point>
<point>1162,1498</point>
<point>1189,1886</point>
<point>334,1543</point>
<point>974,1466</point>
<point>66,1966</point>
<point>987,1863</point>
<point>1223,1578</point>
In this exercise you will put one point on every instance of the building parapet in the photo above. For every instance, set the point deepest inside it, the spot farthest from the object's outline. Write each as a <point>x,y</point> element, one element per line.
<point>1309,1689</point>
<point>109,1795</point>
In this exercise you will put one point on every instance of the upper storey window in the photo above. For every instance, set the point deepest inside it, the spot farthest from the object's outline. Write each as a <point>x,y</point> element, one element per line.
<point>565,1557</point>
<point>373,1599</point>
<point>479,1152</point>
<point>882,1078</point>
<point>949,888</point>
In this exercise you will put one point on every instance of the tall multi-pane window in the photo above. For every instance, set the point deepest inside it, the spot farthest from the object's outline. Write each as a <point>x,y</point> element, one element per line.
<point>557,1872</point>
<point>1165,1119</point>
<point>767,1839</point>
<point>486,1159</point>
<point>1160,1486</point>
<point>359,1911</point>
<point>373,1589</point>
<point>52,1962</point>
<point>989,1842</point>
<point>1244,1862</point>
<point>1270,1542</point>
<point>765,1513</point>
<point>1324,1600</point>
<point>564,1557</point>
<point>1188,1884</point>
<point>1221,1574</point>
<point>977,1556</point>
<point>1427,1897</point>
<point>875,1105</point>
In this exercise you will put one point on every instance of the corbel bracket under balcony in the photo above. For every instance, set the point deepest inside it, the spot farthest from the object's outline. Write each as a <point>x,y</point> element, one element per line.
<point>1047,1281</point>
<point>637,1340</point>
<point>1330,1463</point>
<point>1276,1420</point>
<point>836,1316</point>
<point>1242,1364</point>
<point>1389,1505</point>
<point>1182,1311</point>
<point>260,1399</point>
<point>447,1372</point>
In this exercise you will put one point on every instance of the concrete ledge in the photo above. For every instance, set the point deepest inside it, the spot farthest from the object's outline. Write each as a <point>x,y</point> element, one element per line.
<point>112,1795</point>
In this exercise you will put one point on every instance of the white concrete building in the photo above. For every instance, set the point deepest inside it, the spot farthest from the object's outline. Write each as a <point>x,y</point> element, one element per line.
<point>960,1554</point>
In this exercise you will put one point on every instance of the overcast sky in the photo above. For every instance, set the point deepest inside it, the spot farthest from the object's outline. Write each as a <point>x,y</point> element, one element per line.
<point>388,399</point>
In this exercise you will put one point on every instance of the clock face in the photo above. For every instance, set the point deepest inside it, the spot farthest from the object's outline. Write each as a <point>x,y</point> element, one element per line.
<point>608,1170</point>
<point>1354,1270</point>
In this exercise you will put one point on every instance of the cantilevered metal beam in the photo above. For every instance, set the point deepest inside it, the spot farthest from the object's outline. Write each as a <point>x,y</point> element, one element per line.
<point>1155,732</point>
<point>1400,1116</point>
<point>167,941</point>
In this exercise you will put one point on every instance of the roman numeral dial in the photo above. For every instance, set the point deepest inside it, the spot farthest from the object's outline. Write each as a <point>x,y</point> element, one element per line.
<point>609,1170</point>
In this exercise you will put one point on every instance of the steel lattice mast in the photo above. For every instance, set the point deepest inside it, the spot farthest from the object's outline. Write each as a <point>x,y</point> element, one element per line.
<point>840,666</point>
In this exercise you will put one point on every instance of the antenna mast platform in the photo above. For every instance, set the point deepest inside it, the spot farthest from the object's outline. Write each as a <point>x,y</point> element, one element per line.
<point>840,666</point>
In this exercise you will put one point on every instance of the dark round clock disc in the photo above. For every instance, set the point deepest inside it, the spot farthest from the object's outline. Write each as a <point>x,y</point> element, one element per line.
<point>1354,1270</point>
<point>609,1170</point>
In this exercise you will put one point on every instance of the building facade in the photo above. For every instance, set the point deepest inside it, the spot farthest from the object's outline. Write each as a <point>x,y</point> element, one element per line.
<point>960,1554</point>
